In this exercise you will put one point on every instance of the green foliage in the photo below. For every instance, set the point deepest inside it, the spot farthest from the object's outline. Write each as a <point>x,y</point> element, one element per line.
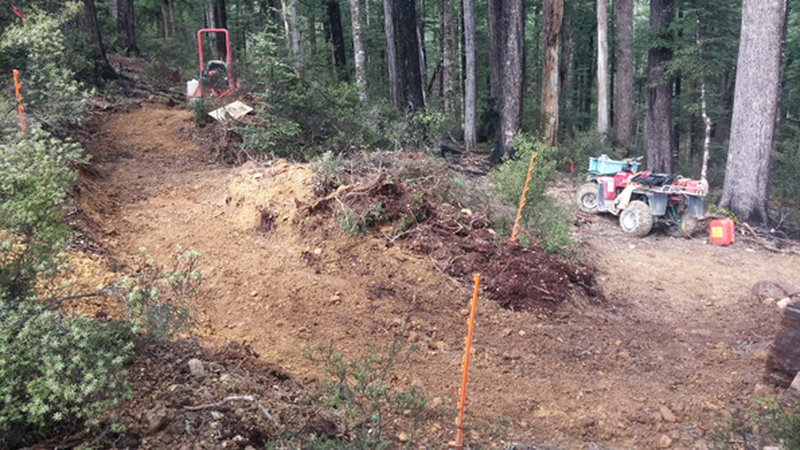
<point>373,411</point>
<point>54,371</point>
<point>38,49</point>
<point>543,219</point>
<point>579,149</point>
<point>155,297</point>
<point>359,225</point>
<point>36,180</point>
<point>713,209</point>
<point>768,423</point>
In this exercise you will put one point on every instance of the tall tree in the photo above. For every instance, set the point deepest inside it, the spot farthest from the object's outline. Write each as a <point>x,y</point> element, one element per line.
<point>565,60</point>
<point>409,55</point>
<point>391,53</point>
<point>358,52</point>
<point>509,32</point>
<point>602,68</point>
<point>658,118</point>
<point>167,23</point>
<point>552,15</point>
<point>470,85</point>
<point>336,36</point>
<point>496,48</point>
<point>448,56</point>
<point>755,110</point>
<point>100,68</point>
<point>423,56</point>
<point>297,43</point>
<point>126,26</point>
<point>623,86</point>
<point>220,21</point>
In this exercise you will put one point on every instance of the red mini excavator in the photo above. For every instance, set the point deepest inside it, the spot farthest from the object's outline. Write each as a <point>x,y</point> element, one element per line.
<point>216,78</point>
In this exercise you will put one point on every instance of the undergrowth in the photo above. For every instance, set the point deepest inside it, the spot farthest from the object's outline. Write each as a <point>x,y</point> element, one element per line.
<point>375,412</point>
<point>767,423</point>
<point>544,222</point>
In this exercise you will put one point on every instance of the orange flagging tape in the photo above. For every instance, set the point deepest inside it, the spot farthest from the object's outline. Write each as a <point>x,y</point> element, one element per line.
<point>462,393</point>
<point>522,199</point>
<point>19,102</point>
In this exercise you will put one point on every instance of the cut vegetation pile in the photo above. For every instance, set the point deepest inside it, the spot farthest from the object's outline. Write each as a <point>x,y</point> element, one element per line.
<point>425,206</point>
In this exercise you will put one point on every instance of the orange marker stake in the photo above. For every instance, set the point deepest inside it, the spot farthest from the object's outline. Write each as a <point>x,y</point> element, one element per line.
<point>522,199</point>
<point>19,102</point>
<point>462,393</point>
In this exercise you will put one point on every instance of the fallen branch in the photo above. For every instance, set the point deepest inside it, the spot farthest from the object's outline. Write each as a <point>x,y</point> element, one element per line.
<point>233,398</point>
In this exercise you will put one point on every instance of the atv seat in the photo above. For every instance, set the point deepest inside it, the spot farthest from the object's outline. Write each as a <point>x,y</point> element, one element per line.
<point>653,179</point>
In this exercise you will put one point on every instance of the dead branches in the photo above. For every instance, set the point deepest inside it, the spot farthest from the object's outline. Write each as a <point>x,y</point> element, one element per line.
<point>235,398</point>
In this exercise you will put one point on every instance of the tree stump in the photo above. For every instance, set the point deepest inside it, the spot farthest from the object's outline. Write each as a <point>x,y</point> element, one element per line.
<point>783,361</point>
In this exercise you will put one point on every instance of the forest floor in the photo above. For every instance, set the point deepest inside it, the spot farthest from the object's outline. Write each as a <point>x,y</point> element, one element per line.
<point>669,340</point>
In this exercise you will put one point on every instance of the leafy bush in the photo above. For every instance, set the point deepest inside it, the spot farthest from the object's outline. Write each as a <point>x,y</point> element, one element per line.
<point>374,412</point>
<point>543,218</point>
<point>50,91</point>
<point>56,371</point>
<point>768,423</point>
<point>36,180</point>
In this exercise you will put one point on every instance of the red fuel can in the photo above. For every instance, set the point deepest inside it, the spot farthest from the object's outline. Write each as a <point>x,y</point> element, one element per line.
<point>722,231</point>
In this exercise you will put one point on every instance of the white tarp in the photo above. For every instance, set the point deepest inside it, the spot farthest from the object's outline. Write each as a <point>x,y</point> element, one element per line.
<point>235,110</point>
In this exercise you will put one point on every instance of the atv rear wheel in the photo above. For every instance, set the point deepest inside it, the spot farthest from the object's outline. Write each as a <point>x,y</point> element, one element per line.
<point>636,219</point>
<point>686,228</point>
<point>587,198</point>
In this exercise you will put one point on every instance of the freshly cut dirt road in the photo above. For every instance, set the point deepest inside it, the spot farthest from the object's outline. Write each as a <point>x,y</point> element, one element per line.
<point>679,342</point>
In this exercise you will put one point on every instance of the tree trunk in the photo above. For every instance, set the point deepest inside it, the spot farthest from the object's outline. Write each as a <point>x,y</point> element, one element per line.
<point>391,53</point>
<point>167,24</point>
<point>496,48</point>
<point>623,88</point>
<point>297,43</point>
<point>126,27</point>
<point>658,120</point>
<point>470,88</point>
<point>423,57</point>
<point>722,130</point>
<point>755,108</point>
<point>602,68</point>
<point>312,33</point>
<point>513,24</point>
<point>100,68</point>
<point>448,57</point>
<point>220,21</point>
<point>566,76</point>
<point>552,14</point>
<point>337,37</point>
<point>409,55</point>
<point>358,52</point>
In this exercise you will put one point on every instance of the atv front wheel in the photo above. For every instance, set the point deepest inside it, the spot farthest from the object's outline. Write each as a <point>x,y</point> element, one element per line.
<point>587,198</point>
<point>636,219</point>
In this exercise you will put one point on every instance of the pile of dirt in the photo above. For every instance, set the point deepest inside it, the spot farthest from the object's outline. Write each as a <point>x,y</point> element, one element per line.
<point>179,400</point>
<point>460,242</point>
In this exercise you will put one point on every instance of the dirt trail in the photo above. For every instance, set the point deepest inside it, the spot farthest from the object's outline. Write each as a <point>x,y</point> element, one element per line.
<point>677,344</point>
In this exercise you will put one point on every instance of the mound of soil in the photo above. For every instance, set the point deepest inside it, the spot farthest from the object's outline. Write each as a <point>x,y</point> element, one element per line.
<point>165,386</point>
<point>460,242</point>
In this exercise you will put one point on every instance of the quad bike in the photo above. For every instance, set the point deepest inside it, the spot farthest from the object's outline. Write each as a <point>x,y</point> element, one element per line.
<point>216,78</point>
<point>642,199</point>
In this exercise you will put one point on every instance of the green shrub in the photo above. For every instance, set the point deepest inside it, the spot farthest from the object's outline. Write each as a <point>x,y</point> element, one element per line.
<point>374,412</point>
<point>51,94</point>
<point>542,217</point>
<point>768,423</point>
<point>155,297</point>
<point>56,371</point>
<point>36,180</point>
